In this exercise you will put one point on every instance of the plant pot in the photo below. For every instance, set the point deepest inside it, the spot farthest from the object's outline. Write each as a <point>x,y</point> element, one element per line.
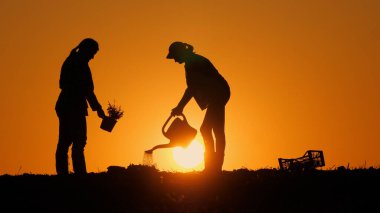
<point>108,124</point>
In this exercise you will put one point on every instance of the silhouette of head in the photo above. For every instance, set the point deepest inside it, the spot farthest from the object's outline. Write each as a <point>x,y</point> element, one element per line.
<point>179,51</point>
<point>87,48</point>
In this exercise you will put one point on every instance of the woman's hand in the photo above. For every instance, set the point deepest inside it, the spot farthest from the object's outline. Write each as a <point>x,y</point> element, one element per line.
<point>177,111</point>
<point>101,113</point>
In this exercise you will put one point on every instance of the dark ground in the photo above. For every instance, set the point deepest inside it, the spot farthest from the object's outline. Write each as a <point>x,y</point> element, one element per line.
<point>144,189</point>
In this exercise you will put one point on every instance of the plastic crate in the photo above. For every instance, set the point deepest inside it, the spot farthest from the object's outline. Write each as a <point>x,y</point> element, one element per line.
<point>310,160</point>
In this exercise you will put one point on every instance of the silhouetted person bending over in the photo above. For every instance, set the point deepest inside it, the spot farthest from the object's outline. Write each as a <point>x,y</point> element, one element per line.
<point>77,88</point>
<point>212,92</point>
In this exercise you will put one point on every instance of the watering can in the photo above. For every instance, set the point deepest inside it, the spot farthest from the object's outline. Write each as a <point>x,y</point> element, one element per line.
<point>180,133</point>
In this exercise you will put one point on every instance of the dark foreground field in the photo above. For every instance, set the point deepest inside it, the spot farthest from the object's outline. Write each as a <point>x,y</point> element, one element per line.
<point>144,189</point>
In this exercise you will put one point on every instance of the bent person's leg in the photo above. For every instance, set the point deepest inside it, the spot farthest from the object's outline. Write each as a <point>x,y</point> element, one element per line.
<point>217,120</point>
<point>206,131</point>
<point>220,137</point>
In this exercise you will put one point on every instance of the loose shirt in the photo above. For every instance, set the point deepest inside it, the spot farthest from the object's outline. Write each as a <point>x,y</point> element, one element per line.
<point>77,87</point>
<point>204,81</point>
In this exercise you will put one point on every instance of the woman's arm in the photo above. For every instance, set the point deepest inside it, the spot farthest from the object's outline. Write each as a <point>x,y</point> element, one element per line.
<point>182,103</point>
<point>90,95</point>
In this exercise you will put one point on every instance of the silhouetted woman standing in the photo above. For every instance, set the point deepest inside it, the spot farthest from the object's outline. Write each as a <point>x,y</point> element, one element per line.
<point>212,92</point>
<point>77,88</point>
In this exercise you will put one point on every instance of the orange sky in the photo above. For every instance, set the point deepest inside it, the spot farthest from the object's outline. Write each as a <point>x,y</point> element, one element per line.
<point>303,75</point>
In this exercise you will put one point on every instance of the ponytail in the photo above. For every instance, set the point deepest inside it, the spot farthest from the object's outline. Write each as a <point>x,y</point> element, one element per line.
<point>74,51</point>
<point>87,43</point>
<point>188,47</point>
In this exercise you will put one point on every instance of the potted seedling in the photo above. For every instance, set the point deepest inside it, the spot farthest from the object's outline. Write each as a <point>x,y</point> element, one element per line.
<point>114,114</point>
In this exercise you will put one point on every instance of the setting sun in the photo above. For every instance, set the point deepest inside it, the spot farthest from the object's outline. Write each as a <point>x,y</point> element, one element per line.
<point>189,157</point>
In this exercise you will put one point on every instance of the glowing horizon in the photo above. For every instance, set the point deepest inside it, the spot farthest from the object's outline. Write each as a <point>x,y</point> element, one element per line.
<point>303,75</point>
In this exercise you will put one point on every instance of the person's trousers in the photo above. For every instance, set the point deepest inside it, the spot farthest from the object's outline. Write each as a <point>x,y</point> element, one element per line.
<point>72,131</point>
<point>214,122</point>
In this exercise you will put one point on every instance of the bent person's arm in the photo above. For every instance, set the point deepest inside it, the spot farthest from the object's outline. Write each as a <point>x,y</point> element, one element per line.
<point>182,103</point>
<point>185,99</point>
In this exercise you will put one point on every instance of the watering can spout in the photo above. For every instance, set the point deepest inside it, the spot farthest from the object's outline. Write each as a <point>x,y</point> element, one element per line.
<point>180,133</point>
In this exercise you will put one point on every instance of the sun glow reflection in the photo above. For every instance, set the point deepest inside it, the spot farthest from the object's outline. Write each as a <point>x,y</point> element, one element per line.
<point>189,157</point>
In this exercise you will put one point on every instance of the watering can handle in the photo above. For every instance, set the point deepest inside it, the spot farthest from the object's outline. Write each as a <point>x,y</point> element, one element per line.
<point>167,121</point>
